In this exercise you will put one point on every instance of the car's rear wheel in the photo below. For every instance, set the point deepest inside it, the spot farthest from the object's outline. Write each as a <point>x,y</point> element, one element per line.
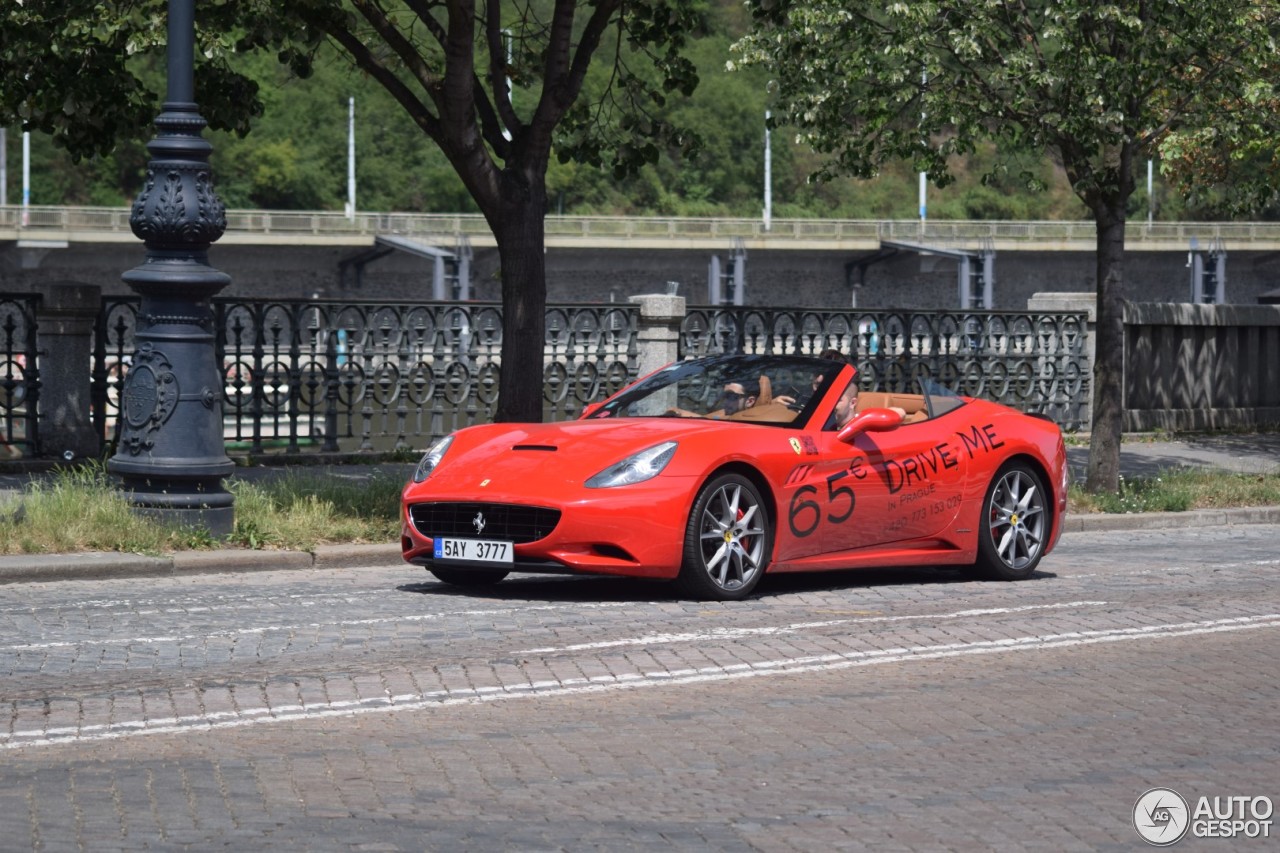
<point>1015,524</point>
<point>727,541</point>
<point>468,577</point>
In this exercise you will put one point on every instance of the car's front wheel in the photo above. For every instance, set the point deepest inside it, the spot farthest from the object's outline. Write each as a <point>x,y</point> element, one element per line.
<point>727,541</point>
<point>468,577</point>
<point>1015,524</point>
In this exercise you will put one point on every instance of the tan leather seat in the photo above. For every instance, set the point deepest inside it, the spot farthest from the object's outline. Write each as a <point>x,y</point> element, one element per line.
<point>765,397</point>
<point>873,400</point>
<point>772,412</point>
<point>912,404</point>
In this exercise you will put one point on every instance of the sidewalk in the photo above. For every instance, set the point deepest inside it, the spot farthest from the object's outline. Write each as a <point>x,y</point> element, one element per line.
<point>1139,457</point>
<point>1257,453</point>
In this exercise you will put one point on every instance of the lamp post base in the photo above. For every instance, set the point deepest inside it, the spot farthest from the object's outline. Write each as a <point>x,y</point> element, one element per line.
<point>197,504</point>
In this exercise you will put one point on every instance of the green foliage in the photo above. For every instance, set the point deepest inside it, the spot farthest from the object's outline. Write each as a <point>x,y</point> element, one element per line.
<point>1178,490</point>
<point>80,510</point>
<point>1099,86</point>
<point>295,158</point>
<point>301,509</point>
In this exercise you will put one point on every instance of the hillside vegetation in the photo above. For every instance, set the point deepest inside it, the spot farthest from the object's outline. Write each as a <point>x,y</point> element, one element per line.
<point>296,158</point>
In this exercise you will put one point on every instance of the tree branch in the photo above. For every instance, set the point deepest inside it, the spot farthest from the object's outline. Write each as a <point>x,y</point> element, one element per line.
<point>366,61</point>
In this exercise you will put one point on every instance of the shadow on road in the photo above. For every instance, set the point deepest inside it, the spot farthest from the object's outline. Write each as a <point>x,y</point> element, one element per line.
<point>582,588</point>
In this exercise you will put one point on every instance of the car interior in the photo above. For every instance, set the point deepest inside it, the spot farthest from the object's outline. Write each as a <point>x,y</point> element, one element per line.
<point>912,404</point>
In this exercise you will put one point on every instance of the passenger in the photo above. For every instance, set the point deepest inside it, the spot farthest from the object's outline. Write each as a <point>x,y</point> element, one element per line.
<point>791,401</point>
<point>847,407</point>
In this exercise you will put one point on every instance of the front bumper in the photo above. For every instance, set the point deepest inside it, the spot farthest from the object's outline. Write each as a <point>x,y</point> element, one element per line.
<point>634,531</point>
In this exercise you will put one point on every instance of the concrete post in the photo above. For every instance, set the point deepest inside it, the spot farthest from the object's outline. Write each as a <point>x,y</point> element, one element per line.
<point>658,338</point>
<point>65,320</point>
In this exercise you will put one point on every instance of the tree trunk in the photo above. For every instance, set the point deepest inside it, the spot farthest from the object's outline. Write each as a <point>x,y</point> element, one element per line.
<point>1108,366</point>
<point>519,231</point>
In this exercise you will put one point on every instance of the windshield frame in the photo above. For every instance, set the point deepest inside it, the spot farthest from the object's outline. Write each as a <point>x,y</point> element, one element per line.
<point>692,387</point>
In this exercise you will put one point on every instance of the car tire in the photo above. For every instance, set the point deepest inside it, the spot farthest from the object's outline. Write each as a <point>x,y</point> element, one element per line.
<point>1015,524</point>
<point>469,577</point>
<point>728,541</point>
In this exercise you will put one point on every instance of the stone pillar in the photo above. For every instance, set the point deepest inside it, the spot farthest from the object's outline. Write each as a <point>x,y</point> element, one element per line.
<point>65,321</point>
<point>658,338</point>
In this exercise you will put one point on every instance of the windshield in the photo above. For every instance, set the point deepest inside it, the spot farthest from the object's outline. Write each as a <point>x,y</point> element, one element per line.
<point>938,398</point>
<point>776,390</point>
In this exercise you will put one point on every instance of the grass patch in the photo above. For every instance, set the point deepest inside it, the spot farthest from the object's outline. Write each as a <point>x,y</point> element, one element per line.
<point>79,509</point>
<point>1180,490</point>
<point>302,509</point>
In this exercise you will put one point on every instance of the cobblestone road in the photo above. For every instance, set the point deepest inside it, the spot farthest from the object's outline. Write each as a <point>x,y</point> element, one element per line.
<point>374,709</point>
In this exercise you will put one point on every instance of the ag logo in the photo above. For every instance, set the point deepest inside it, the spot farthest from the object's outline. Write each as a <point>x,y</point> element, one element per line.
<point>796,446</point>
<point>1161,817</point>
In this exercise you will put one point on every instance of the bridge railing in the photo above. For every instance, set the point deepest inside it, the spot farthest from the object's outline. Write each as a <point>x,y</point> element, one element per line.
<point>15,220</point>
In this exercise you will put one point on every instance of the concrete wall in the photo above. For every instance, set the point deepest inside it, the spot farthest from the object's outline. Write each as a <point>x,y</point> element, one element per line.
<point>1195,367</point>
<point>779,278</point>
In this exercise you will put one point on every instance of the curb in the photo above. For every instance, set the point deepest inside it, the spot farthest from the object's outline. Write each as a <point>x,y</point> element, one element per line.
<point>98,565</point>
<point>1100,522</point>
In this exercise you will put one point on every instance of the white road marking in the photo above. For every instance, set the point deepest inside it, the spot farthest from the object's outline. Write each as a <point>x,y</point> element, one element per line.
<point>1203,567</point>
<point>773,630</point>
<point>201,723</point>
<point>306,626</point>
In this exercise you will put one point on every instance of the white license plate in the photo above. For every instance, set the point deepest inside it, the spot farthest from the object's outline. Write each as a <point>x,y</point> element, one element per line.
<point>494,551</point>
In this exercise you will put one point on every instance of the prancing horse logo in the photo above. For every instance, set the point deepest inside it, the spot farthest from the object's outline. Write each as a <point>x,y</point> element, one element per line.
<point>478,521</point>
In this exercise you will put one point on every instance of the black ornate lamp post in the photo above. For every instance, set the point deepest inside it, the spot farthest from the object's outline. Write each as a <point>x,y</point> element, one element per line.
<point>170,454</point>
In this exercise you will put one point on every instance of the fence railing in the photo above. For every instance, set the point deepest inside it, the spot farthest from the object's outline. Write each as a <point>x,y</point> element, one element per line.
<point>1035,362</point>
<point>373,376</point>
<point>363,376</point>
<point>19,375</point>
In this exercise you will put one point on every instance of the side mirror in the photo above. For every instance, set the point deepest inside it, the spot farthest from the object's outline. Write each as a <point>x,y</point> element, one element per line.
<point>872,420</point>
<point>590,409</point>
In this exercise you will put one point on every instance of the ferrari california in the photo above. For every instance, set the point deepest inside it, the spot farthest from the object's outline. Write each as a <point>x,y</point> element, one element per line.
<point>712,472</point>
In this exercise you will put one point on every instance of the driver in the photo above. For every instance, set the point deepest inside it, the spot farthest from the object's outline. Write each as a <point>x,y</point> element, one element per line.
<point>734,397</point>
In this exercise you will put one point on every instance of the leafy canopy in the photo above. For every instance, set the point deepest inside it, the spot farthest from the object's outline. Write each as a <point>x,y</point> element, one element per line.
<point>1095,84</point>
<point>498,79</point>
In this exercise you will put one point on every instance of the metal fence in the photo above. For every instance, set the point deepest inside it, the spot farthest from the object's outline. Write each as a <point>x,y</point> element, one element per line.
<point>373,376</point>
<point>1035,362</point>
<point>362,376</point>
<point>19,375</point>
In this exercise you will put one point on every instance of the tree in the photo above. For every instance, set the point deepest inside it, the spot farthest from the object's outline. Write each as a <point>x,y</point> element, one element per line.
<point>1099,86</point>
<point>71,68</point>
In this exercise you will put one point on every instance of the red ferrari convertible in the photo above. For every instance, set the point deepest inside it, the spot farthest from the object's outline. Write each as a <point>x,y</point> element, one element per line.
<point>711,472</point>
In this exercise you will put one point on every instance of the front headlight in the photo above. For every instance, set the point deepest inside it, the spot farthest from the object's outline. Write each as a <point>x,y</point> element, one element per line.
<point>636,468</point>
<point>431,459</point>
